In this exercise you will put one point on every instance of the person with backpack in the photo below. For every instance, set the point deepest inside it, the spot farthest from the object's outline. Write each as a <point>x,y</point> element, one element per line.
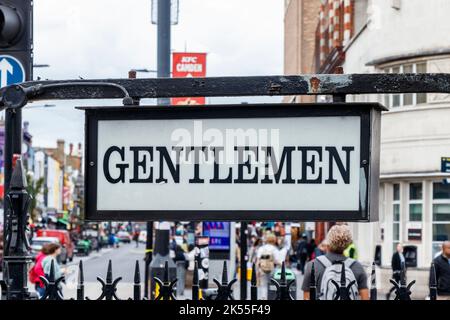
<point>37,270</point>
<point>267,259</point>
<point>328,269</point>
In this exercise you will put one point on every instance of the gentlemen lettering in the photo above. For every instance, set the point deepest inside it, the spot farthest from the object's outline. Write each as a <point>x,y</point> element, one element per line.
<point>255,164</point>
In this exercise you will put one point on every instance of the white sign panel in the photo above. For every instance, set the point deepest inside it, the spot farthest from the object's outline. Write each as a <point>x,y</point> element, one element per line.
<point>227,163</point>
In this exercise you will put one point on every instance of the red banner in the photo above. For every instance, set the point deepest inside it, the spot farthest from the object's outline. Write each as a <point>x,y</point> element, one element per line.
<point>187,65</point>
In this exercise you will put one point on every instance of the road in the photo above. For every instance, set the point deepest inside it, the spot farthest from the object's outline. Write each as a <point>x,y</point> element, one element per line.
<point>96,265</point>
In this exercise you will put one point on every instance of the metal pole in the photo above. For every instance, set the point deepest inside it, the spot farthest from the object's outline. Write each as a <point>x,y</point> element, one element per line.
<point>149,239</point>
<point>243,258</point>
<point>16,254</point>
<point>148,258</point>
<point>163,68</point>
<point>163,54</point>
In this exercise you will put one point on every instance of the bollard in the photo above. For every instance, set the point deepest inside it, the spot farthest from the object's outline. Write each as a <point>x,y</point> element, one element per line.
<point>433,282</point>
<point>80,286</point>
<point>373,284</point>
<point>312,283</point>
<point>224,289</point>
<point>166,291</point>
<point>195,285</point>
<point>109,287</point>
<point>254,284</point>
<point>51,284</point>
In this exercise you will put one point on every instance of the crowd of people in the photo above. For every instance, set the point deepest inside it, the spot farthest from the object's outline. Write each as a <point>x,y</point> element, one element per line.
<point>268,249</point>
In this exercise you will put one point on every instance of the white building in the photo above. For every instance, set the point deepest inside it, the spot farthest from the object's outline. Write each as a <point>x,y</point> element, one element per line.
<point>406,37</point>
<point>50,169</point>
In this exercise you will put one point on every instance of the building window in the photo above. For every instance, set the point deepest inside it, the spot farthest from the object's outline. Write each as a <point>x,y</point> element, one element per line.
<point>396,214</point>
<point>415,201</point>
<point>406,99</point>
<point>441,215</point>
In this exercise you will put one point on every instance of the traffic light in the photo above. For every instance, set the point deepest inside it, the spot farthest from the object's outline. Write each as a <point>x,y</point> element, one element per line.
<point>16,41</point>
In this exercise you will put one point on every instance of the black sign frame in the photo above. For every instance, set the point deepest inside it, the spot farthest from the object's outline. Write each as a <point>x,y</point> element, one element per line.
<point>369,113</point>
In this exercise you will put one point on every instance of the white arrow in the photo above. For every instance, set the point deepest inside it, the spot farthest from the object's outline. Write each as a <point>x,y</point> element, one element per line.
<point>5,68</point>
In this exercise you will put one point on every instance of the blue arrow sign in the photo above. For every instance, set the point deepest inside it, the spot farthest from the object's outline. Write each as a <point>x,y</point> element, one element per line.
<point>11,71</point>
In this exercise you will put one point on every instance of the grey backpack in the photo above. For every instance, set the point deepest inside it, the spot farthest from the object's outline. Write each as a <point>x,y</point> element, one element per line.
<point>330,286</point>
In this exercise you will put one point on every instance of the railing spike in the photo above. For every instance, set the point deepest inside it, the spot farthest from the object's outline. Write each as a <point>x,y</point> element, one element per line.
<point>137,282</point>
<point>80,272</point>
<point>51,277</point>
<point>137,273</point>
<point>109,275</point>
<point>283,274</point>
<point>343,277</point>
<point>224,274</point>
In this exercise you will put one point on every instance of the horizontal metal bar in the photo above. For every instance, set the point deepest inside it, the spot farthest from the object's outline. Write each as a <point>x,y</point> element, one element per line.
<point>318,84</point>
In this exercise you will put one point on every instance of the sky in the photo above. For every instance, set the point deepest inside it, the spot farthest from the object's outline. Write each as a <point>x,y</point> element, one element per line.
<point>106,38</point>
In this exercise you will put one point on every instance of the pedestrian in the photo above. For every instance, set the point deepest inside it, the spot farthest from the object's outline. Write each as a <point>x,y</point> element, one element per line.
<point>397,263</point>
<point>267,257</point>
<point>302,253</point>
<point>255,245</point>
<point>37,271</point>
<point>53,250</point>
<point>442,267</point>
<point>321,249</point>
<point>311,246</point>
<point>111,240</point>
<point>328,267</point>
<point>136,235</point>
<point>351,252</point>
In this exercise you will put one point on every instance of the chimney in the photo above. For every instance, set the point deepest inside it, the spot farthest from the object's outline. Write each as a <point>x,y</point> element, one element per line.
<point>70,149</point>
<point>60,143</point>
<point>79,149</point>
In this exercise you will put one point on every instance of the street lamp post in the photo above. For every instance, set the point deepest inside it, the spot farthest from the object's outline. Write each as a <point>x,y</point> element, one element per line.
<point>149,240</point>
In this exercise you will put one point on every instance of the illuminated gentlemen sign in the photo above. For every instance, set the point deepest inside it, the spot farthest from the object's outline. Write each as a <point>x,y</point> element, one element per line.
<point>254,162</point>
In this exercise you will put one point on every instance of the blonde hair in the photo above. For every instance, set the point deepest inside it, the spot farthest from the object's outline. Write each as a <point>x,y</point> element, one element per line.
<point>271,239</point>
<point>339,238</point>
